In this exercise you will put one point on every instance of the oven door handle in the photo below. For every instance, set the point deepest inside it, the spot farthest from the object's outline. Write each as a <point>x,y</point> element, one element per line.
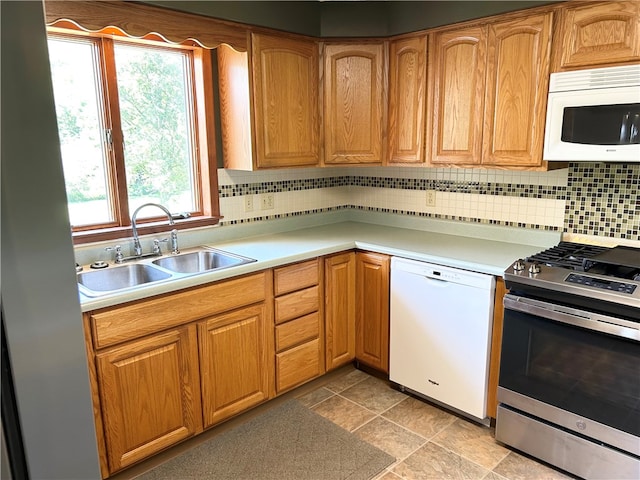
<point>572,316</point>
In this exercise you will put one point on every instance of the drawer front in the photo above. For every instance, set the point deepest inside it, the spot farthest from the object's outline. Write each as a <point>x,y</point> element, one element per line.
<point>294,277</point>
<point>298,365</point>
<point>297,331</point>
<point>114,325</point>
<point>297,304</point>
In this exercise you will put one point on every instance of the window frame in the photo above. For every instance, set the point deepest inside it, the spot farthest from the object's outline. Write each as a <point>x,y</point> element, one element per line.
<point>204,132</point>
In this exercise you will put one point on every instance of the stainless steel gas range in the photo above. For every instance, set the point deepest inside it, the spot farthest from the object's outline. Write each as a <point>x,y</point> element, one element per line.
<point>569,385</point>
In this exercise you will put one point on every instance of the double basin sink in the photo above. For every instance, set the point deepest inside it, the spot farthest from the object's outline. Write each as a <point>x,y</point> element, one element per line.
<point>118,278</point>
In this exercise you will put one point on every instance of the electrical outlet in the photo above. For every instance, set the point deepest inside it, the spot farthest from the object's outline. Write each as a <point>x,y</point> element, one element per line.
<point>267,202</point>
<point>248,203</point>
<point>431,198</point>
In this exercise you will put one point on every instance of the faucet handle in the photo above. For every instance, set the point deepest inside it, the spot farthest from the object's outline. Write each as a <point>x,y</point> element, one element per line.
<point>174,242</point>
<point>118,250</point>
<point>156,245</point>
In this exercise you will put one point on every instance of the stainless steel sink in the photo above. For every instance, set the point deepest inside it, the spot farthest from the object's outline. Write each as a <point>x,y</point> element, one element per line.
<point>201,261</point>
<point>111,279</point>
<point>116,278</point>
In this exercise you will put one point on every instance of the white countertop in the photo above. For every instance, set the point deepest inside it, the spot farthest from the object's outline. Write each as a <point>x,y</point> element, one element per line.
<point>491,252</point>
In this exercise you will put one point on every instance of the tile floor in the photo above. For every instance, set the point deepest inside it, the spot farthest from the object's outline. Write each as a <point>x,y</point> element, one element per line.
<point>427,441</point>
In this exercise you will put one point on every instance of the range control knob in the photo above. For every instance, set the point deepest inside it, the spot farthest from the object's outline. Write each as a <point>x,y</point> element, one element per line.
<point>534,268</point>
<point>518,266</point>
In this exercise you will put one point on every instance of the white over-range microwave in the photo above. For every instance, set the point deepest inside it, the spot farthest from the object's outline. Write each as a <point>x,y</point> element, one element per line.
<point>594,115</point>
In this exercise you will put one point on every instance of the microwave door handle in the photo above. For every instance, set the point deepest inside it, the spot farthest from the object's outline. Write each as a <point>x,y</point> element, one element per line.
<point>572,316</point>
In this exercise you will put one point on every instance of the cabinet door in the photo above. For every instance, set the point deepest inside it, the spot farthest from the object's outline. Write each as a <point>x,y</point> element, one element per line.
<point>272,120</point>
<point>150,395</point>
<point>517,87</point>
<point>340,273</point>
<point>596,34</point>
<point>458,60</point>
<point>285,83</point>
<point>354,103</point>
<point>235,108</point>
<point>407,98</point>
<point>236,362</point>
<point>372,307</point>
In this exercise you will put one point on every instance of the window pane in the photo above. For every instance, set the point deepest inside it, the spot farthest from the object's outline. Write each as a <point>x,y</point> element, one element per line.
<point>157,123</point>
<point>80,124</point>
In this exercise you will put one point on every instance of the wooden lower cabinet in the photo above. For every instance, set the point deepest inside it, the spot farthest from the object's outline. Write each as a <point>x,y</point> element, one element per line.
<point>164,368</point>
<point>340,309</point>
<point>223,348</point>
<point>299,332</point>
<point>298,365</point>
<point>496,345</point>
<point>372,310</point>
<point>235,362</point>
<point>150,395</point>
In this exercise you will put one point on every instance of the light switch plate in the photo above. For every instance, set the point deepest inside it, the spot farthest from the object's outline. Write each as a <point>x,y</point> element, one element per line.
<point>266,201</point>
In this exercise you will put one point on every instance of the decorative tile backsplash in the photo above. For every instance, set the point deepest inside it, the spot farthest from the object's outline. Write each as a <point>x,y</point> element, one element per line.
<point>591,199</point>
<point>604,200</point>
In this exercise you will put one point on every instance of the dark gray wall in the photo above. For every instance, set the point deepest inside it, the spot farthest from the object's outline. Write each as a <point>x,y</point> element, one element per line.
<point>39,292</point>
<point>361,19</point>
<point>298,17</point>
<point>411,16</point>
<point>348,18</point>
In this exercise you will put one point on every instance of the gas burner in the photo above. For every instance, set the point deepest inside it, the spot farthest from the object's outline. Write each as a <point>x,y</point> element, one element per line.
<point>567,255</point>
<point>603,279</point>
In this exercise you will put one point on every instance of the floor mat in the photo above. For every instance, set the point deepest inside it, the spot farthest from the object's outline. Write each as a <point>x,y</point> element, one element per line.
<point>288,442</point>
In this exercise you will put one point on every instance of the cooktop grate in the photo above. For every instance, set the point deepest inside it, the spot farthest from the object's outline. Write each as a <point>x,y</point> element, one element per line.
<point>567,255</point>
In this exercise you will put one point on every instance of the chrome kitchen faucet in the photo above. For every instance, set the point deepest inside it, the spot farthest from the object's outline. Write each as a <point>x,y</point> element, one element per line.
<point>137,248</point>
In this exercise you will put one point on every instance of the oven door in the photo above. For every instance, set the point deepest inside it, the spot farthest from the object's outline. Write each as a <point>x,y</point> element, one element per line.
<point>576,369</point>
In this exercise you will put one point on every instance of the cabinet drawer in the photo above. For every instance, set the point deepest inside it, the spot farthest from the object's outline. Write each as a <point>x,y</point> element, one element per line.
<point>296,304</point>
<point>294,277</point>
<point>298,365</point>
<point>115,325</point>
<point>297,331</point>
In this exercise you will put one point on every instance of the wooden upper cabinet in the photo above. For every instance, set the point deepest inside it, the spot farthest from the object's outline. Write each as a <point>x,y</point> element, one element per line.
<point>597,34</point>
<point>458,61</point>
<point>518,57</point>
<point>285,79</point>
<point>269,103</point>
<point>407,98</point>
<point>354,103</point>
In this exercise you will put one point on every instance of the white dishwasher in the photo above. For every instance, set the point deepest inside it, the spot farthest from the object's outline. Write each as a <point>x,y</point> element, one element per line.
<point>441,320</point>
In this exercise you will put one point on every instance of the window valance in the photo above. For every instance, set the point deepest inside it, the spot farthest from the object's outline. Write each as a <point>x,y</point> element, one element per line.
<point>144,21</point>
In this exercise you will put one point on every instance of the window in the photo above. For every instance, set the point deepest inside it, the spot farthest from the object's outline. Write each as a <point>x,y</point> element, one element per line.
<point>131,121</point>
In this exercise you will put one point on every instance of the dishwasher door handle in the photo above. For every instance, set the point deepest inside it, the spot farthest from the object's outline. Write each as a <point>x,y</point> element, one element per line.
<point>436,281</point>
